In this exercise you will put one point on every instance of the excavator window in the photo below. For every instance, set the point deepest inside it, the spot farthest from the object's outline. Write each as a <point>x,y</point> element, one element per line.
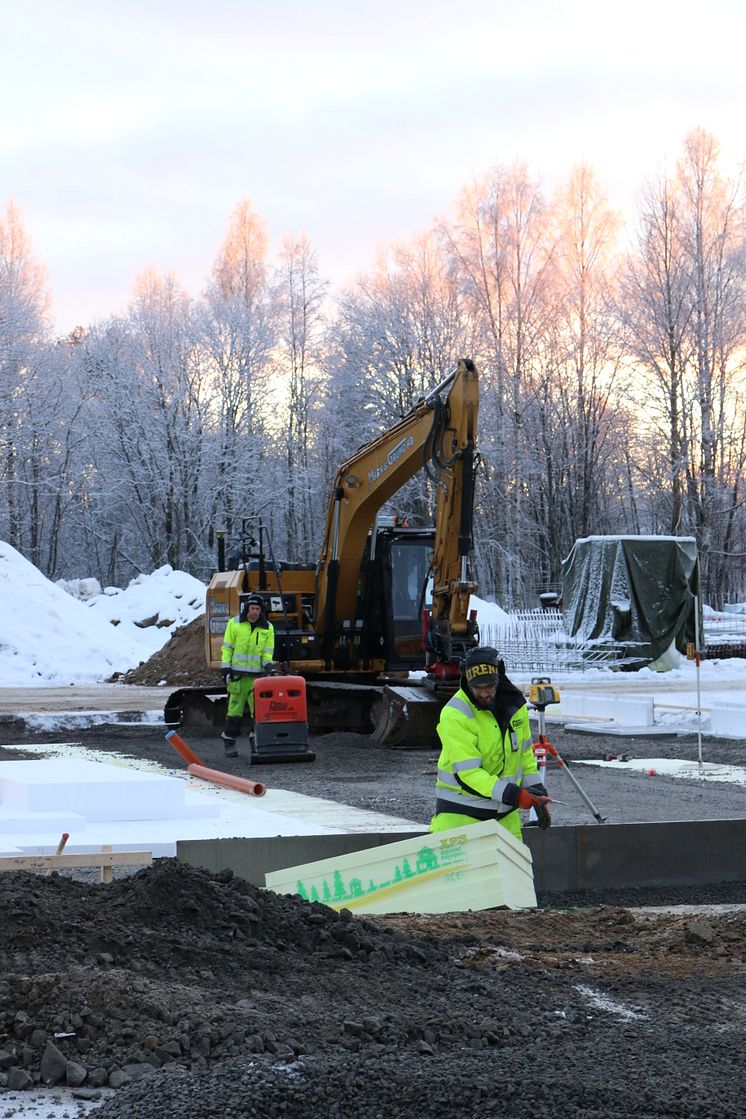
<point>409,571</point>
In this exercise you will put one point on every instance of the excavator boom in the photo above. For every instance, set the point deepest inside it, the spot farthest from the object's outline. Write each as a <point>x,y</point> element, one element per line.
<point>439,436</point>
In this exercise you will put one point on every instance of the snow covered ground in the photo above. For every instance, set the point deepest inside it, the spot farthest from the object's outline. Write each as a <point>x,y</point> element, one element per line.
<point>50,636</point>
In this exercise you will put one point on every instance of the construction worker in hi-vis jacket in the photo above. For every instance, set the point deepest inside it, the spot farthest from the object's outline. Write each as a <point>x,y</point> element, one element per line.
<point>248,651</point>
<point>487,769</point>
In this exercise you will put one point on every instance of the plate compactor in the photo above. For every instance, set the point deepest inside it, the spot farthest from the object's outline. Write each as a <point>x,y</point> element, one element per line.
<point>280,721</point>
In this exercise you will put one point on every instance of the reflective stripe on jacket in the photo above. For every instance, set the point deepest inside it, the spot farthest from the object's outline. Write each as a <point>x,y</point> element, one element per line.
<point>478,760</point>
<point>246,648</point>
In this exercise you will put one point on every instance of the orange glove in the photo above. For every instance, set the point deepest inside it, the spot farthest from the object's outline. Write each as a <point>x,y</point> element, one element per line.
<point>540,805</point>
<point>532,800</point>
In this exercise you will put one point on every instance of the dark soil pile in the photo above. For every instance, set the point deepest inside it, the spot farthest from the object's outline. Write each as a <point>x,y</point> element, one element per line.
<point>198,995</point>
<point>181,662</point>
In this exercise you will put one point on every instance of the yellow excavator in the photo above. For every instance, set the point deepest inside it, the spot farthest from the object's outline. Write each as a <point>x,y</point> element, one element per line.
<point>378,624</point>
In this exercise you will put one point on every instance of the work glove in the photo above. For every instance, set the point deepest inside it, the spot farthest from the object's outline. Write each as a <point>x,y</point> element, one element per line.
<point>527,800</point>
<point>271,668</point>
<point>225,672</point>
<point>512,794</point>
<point>543,819</point>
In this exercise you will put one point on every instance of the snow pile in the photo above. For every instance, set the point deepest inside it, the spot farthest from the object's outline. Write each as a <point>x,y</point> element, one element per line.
<point>81,588</point>
<point>166,599</point>
<point>48,637</point>
<point>488,613</point>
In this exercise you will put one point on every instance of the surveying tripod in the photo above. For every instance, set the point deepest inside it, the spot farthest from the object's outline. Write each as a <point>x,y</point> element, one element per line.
<point>541,694</point>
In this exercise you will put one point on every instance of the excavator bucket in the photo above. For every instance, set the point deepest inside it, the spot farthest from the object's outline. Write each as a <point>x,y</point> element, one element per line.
<point>405,718</point>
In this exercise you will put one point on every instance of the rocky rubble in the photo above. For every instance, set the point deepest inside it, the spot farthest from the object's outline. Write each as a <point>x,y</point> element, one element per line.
<point>181,661</point>
<point>198,995</point>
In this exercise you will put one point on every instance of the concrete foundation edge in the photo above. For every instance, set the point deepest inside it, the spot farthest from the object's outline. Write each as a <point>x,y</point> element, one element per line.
<point>593,857</point>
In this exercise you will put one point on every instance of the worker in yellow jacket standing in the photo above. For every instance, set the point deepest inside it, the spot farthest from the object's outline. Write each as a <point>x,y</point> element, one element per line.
<point>487,769</point>
<point>248,651</point>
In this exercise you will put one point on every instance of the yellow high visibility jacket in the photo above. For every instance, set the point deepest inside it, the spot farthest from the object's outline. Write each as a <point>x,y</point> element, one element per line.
<point>246,648</point>
<point>478,760</point>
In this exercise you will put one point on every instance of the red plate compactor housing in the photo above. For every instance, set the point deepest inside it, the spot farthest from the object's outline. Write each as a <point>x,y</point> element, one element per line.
<point>280,722</point>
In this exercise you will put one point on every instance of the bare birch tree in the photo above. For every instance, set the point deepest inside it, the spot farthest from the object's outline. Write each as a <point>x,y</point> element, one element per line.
<point>24,303</point>
<point>501,249</point>
<point>714,240</point>
<point>654,309</point>
<point>400,332</point>
<point>238,334</point>
<point>150,427</point>
<point>586,365</point>
<point>301,350</point>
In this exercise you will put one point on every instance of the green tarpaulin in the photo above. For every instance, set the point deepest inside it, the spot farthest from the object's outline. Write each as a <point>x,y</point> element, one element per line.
<point>634,594</point>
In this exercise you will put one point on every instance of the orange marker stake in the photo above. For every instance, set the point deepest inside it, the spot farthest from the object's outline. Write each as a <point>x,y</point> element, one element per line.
<point>60,848</point>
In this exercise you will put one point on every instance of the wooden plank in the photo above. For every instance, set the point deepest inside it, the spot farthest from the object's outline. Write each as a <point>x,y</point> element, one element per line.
<point>80,859</point>
<point>107,870</point>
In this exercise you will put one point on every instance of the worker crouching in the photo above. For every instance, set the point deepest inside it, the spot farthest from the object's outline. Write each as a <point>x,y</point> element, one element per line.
<point>487,769</point>
<point>248,651</point>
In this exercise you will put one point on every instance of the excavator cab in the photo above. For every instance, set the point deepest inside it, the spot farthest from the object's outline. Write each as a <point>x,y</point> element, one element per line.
<point>393,595</point>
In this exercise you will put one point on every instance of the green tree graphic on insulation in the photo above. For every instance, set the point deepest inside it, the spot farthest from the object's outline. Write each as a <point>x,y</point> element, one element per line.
<point>339,886</point>
<point>427,861</point>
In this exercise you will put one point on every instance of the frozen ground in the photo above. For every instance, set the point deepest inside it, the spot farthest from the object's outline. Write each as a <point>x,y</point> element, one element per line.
<point>599,990</point>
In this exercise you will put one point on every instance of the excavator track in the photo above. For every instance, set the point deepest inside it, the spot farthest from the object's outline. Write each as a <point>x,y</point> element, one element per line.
<point>331,707</point>
<point>336,706</point>
<point>400,716</point>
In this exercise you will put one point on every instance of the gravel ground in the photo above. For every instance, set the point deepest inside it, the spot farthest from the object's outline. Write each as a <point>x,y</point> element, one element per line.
<point>198,995</point>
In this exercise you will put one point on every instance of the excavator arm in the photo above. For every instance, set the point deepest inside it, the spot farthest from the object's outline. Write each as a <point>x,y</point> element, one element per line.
<point>438,435</point>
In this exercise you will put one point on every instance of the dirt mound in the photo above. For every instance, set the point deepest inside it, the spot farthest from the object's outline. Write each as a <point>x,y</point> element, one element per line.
<point>180,663</point>
<point>182,911</point>
<point>200,995</point>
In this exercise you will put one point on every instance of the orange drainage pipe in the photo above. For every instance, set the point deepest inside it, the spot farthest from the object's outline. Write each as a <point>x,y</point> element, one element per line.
<point>183,748</point>
<point>255,788</point>
<point>197,768</point>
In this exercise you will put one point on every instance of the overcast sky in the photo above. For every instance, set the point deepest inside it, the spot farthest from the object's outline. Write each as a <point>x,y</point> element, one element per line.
<point>129,129</point>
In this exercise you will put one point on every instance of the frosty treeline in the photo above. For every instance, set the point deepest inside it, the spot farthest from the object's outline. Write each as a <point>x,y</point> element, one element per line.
<point>612,384</point>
